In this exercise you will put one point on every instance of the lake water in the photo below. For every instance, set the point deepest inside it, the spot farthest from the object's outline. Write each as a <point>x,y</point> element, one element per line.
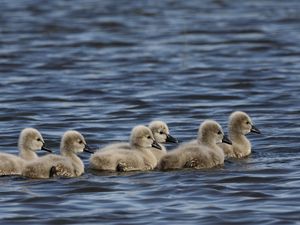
<point>102,67</point>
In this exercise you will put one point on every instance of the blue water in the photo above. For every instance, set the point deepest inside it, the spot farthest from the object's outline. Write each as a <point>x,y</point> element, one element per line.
<point>102,67</point>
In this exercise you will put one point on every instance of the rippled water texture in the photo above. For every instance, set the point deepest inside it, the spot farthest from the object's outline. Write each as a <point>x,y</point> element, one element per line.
<point>102,67</point>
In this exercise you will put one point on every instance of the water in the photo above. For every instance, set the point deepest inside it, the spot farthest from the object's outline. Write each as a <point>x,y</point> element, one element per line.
<point>102,67</point>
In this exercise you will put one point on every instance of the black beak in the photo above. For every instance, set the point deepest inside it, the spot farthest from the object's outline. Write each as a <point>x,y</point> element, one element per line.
<point>254,130</point>
<point>87,149</point>
<point>156,145</point>
<point>46,149</point>
<point>226,140</point>
<point>171,139</point>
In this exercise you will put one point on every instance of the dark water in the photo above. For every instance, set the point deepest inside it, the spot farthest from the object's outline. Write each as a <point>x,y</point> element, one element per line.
<point>102,67</point>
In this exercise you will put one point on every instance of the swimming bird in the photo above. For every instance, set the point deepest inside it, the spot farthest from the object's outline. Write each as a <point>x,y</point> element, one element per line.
<point>240,124</point>
<point>30,140</point>
<point>161,134</point>
<point>138,157</point>
<point>201,153</point>
<point>68,164</point>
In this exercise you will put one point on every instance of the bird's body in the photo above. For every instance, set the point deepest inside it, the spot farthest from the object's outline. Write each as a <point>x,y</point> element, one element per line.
<point>30,140</point>
<point>240,124</point>
<point>161,134</point>
<point>201,153</point>
<point>136,155</point>
<point>68,164</point>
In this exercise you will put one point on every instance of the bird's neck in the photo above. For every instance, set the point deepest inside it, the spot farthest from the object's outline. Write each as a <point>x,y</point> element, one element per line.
<point>75,160</point>
<point>27,154</point>
<point>237,137</point>
<point>240,143</point>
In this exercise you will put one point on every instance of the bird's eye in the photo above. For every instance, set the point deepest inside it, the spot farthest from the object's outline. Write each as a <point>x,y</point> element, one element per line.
<point>80,142</point>
<point>248,122</point>
<point>38,139</point>
<point>161,132</point>
<point>219,132</point>
<point>148,137</point>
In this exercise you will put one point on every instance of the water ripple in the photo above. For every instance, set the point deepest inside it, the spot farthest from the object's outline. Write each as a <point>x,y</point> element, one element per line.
<point>102,67</point>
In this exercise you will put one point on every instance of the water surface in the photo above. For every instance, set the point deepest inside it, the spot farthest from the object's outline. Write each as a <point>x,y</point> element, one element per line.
<point>102,67</point>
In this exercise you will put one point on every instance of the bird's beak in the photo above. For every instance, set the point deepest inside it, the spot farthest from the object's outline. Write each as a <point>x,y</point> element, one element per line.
<point>46,149</point>
<point>171,139</point>
<point>88,149</point>
<point>156,145</point>
<point>254,130</point>
<point>226,140</point>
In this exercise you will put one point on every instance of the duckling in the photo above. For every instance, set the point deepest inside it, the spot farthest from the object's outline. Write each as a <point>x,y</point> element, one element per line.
<point>201,153</point>
<point>30,140</point>
<point>137,157</point>
<point>240,124</point>
<point>161,134</point>
<point>68,164</point>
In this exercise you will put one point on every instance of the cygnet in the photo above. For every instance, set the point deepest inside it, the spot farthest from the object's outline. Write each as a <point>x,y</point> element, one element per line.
<point>161,134</point>
<point>201,153</point>
<point>240,124</point>
<point>68,164</point>
<point>30,140</point>
<point>138,157</point>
